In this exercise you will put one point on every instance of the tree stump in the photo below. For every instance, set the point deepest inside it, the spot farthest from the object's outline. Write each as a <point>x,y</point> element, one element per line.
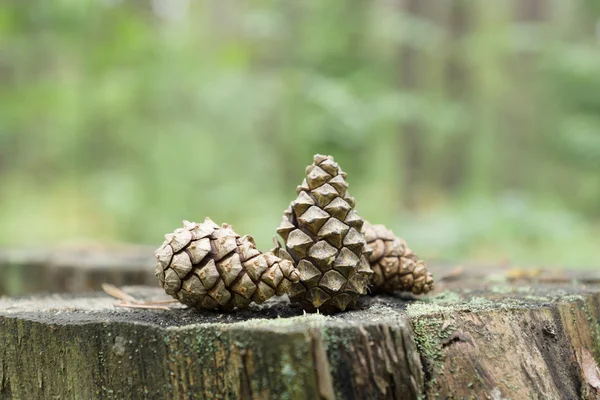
<point>475,338</point>
<point>74,268</point>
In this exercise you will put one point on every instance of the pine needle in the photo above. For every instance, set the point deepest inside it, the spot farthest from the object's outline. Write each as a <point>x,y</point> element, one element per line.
<point>117,293</point>
<point>129,301</point>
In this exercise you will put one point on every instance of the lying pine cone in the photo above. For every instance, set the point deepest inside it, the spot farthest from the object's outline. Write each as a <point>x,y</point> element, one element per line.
<point>395,266</point>
<point>211,267</point>
<point>322,236</point>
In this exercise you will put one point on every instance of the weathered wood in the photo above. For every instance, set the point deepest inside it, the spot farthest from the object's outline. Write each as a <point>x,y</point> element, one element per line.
<point>475,339</point>
<point>74,268</point>
<point>80,347</point>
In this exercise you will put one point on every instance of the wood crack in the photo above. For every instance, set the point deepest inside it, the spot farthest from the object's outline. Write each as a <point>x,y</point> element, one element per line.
<point>321,366</point>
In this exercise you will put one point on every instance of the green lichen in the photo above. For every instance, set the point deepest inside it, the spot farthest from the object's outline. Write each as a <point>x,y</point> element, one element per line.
<point>306,320</point>
<point>429,335</point>
<point>501,289</point>
<point>446,297</point>
<point>524,289</point>
<point>423,309</point>
<point>433,320</point>
<point>594,325</point>
<point>449,304</point>
<point>538,299</point>
<point>288,377</point>
<point>303,321</point>
<point>572,298</point>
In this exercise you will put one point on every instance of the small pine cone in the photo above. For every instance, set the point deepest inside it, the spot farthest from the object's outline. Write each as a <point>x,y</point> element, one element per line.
<point>211,267</point>
<point>395,266</point>
<point>322,236</point>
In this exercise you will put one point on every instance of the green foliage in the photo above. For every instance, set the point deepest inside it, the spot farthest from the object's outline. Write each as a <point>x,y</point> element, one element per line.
<point>118,119</point>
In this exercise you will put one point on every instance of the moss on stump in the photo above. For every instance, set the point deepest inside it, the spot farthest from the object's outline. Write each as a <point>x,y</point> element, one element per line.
<point>472,340</point>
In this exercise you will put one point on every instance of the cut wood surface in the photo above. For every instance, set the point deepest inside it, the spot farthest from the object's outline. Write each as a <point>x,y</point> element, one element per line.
<point>478,336</point>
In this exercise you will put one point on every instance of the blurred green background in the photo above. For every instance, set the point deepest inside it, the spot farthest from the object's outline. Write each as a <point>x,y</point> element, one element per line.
<point>471,128</point>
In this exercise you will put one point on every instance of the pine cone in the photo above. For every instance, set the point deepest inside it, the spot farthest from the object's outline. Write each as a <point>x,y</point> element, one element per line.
<point>395,266</point>
<point>211,267</point>
<point>322,236</point>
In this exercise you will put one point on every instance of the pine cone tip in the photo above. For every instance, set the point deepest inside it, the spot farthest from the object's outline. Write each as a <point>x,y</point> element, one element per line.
<point>321,234</point>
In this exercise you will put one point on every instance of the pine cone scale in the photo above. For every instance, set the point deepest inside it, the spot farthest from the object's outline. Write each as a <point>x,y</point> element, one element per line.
<point>309,274</point>
<point>198,249</point>
<point>209,274</point>
<point>181,264</point>
<point>172,282</point>
<point>317,296</point>
<point>243,286</point>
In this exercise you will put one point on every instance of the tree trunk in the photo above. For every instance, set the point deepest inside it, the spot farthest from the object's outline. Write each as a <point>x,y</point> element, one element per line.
<point>475,339</point>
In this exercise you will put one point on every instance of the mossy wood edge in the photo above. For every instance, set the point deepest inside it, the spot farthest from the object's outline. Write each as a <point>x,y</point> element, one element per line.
<point>484,340</point>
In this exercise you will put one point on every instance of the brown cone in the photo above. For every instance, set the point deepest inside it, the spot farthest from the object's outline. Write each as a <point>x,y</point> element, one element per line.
<point>322,236</point>
<point>395,266</point>
<point>211,267</point>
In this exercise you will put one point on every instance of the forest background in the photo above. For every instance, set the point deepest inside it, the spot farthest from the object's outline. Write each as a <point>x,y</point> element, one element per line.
<point>470,127</point>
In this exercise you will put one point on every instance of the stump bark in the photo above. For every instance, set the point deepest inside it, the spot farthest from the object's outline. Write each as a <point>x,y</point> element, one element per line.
<point>475,338</point>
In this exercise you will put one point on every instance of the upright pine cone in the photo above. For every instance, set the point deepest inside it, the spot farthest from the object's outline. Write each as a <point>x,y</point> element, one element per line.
<point>395,266</point>
<point>211,267</point>
<point>322,236</point>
